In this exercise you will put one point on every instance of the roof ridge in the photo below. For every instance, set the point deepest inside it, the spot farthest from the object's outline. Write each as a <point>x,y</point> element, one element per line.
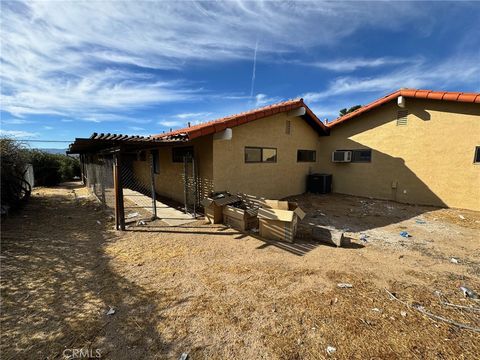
<point>411,93</point>
<point>229,117</point>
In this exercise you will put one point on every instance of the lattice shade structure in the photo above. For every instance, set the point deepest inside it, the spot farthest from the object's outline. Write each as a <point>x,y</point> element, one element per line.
<point>97,142</point>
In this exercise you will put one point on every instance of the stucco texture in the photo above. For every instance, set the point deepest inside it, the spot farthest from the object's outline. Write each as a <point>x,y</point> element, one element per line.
<point>169,182</point>
<point>428,161</point>
<point>271,180</point>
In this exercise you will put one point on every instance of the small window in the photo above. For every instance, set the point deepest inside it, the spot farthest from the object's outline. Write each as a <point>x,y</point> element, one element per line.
<point>476,160</point>
<point>306,156</point>
<point>257,155</point>
<point>402,117</point>
<point>155,162</point>
<point>179,153</point>
<point>363,155</point>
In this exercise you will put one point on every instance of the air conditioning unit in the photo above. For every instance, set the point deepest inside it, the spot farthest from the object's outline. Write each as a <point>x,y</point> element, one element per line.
<point>342,156</point>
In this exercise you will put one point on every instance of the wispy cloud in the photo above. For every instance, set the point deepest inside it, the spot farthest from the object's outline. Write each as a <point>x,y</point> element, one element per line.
<point>78,58</point>
<point>263,99</point>
<point>19,134</point>
<point>15,121</point>
<point>181,120</point>
<point>194,115</point>
<point>352,64</point>
<point>452,72</point>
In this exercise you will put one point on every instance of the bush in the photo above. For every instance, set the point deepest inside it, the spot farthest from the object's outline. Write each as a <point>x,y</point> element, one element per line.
<point>52,169</point>
<point>13,159</point>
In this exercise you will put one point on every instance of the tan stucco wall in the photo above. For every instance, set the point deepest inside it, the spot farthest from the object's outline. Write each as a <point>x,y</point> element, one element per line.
<point>169,182</point>
<point>431,158</point>
<point>272,180</point>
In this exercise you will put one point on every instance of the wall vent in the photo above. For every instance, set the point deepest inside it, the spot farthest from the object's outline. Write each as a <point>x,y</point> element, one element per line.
<point>288,126</point>
<point>402,117</point>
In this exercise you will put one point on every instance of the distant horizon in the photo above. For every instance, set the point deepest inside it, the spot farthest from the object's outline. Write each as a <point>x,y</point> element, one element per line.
<point>69,69</point>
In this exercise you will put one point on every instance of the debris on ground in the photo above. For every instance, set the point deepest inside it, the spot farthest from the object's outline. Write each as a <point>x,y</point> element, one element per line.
<point>99,222</point>
<point>403,313</point>
<point>344,286</point>
<point>461,217</point>
<point>364,237</point>
<point>420,221</point>
<point>331,350</point>
<point>376,310</point>
<point>158,296</point>
<point>184,356</point>
<point>141,223</point>
<point>454,261</point>
<point>132,215</point>
<point>111,311</point>
<point>469,293</point>
<point>405,234</point>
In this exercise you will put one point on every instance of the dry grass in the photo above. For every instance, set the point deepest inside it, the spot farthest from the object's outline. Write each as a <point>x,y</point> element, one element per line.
<point>216,293</point>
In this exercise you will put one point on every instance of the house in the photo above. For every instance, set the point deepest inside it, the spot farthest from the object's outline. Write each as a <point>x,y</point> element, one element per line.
<point>412,146</point>
<point>269,152</point>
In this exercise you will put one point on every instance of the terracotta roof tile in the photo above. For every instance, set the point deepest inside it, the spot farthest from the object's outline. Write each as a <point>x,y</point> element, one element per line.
<point>410,93</point>
<point>218,125</point>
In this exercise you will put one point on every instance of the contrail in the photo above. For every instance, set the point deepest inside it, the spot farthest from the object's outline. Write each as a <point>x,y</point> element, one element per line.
<point>254,69</point>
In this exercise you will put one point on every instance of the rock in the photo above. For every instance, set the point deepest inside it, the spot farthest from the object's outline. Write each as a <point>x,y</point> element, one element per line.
<point>331,350</point>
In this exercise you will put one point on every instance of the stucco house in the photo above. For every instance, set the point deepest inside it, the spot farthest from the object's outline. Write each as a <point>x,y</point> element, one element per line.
<point>411,146</point>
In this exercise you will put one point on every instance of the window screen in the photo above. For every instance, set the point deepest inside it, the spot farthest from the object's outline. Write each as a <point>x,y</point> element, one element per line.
<point>477,155</point>
<point>256,155</point>
<point>179,153</point>
<point>306,155</point>
<point>364,155</point>
<point>155,162</point>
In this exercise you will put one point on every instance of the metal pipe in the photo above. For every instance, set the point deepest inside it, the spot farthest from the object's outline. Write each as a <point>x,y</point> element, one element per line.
<point>152,174</point>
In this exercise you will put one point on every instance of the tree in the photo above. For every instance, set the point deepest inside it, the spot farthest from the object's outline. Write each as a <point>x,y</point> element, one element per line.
<point>14,160</point>
<point>344,111</point>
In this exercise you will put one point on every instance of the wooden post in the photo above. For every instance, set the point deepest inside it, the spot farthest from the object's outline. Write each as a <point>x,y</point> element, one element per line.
<point>120,213</point>
<point>115,187</point>
<point>194,189</point>
<point>185,183</point>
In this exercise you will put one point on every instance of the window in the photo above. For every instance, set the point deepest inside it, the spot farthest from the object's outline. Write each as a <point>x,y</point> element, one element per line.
<point>306,156</point>
<point>402,117</point>
<point>476,160</point>
<point>257,155</point>
<point>155,162</point>
<point>363,155</point>
<point>179,153</point>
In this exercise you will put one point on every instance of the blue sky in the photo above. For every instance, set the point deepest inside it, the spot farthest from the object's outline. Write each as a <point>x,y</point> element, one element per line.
<point>72,68</point>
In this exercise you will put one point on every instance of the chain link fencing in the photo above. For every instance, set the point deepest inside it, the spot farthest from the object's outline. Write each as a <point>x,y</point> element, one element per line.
<point>140,201</point>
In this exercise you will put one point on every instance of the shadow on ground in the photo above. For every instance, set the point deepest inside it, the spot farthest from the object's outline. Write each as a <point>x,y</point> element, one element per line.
<point>57,285</point>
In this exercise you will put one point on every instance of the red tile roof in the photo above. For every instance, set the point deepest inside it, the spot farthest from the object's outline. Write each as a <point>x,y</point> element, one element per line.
<point>218,125</point>
<point>410,93</point>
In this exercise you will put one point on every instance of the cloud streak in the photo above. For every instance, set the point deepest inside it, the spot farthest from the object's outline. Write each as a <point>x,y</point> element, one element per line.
<point>352,64</point>
<point>254,69</point>
<point>82,58</point>
<point>450,73</point>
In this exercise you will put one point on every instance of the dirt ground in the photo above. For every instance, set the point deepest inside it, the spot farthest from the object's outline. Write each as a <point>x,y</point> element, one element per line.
<point>212,292</point>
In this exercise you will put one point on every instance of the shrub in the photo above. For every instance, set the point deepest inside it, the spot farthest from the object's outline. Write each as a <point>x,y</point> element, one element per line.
<point>13,159</point>
<point>52,169</point>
